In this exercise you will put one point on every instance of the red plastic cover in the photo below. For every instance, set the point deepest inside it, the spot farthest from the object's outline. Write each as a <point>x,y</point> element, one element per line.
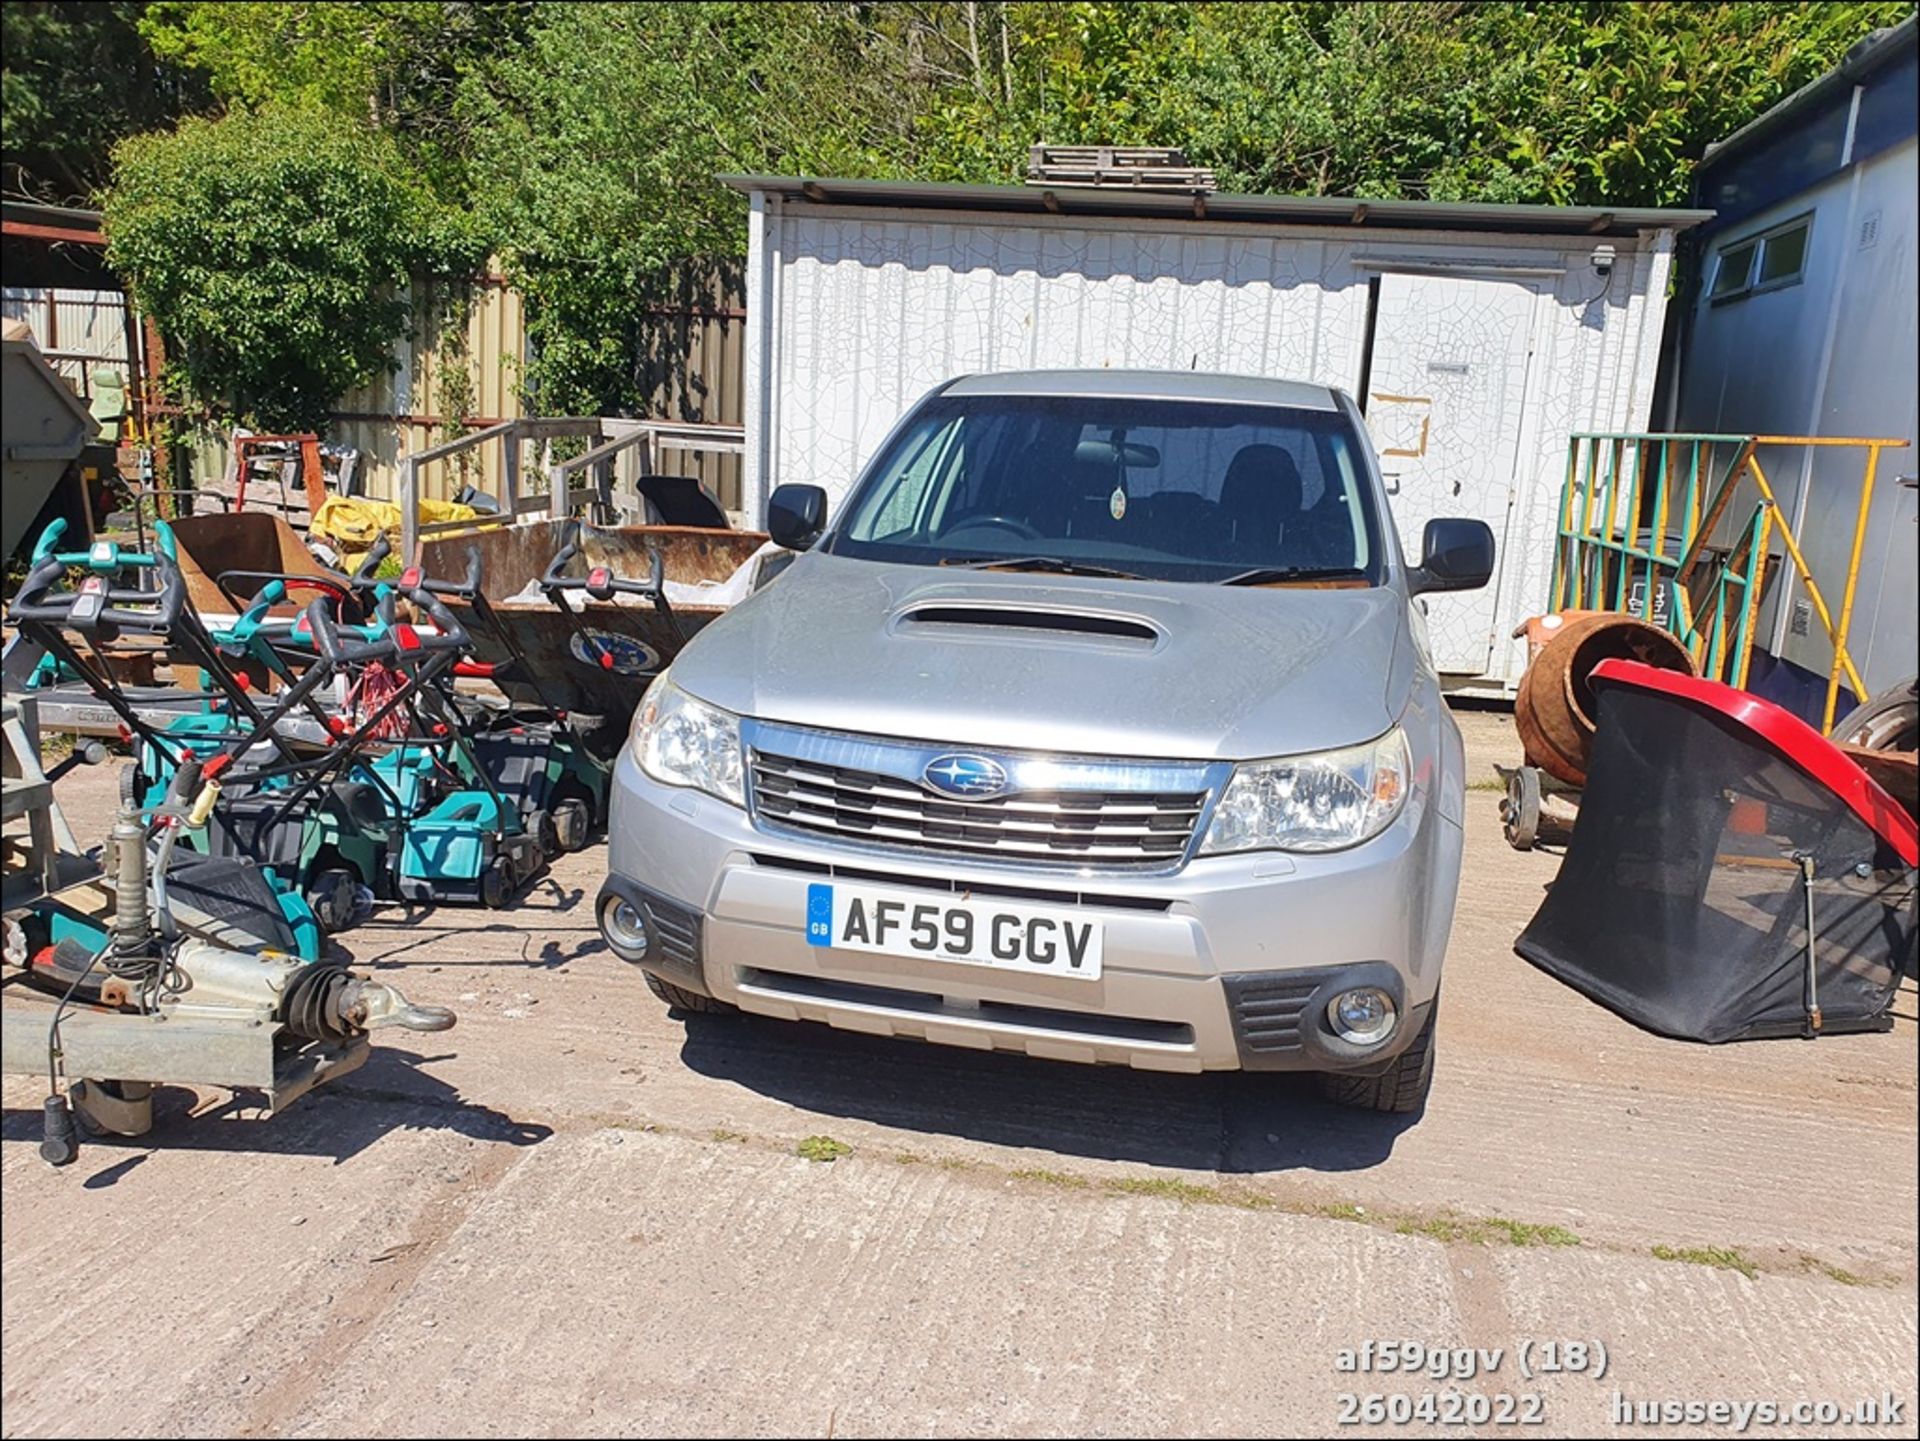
<point>1792,737</point>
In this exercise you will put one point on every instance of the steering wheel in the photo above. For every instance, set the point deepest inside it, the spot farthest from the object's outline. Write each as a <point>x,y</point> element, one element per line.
<point>1021,528</point>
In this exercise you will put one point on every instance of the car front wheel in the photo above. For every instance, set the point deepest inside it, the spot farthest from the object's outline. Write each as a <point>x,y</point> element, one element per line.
<point>684,1000</point>
<point>1401,1089</point>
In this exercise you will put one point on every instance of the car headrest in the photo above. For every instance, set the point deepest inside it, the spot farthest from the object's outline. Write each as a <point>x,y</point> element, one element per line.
<point>1262,480</point>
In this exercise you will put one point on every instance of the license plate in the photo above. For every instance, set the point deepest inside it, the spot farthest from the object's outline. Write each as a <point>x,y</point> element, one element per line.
<point>1035,940</point>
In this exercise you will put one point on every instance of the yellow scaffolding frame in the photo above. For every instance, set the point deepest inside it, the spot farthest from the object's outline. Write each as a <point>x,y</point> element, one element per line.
<point>1587,559</point>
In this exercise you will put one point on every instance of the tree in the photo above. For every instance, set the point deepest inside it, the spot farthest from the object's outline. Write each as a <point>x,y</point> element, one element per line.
<point>1547,103</point>
<point>272,247</point>
<point>594,149</point>
<point>583,138</point>
<point>77,77</point>
<point>392,64</point>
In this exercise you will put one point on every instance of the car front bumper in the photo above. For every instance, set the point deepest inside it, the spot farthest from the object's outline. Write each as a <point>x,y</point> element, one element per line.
<point>1226,963</point>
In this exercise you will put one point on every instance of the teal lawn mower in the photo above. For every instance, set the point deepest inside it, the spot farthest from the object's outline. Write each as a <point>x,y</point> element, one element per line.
<point>537,756</point>
<point>398,806</point>
<point>121,591</point>
<point>327,802</point>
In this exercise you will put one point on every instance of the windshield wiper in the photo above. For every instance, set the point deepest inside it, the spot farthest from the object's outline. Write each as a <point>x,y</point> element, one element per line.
<point>1053,565</point>
<point>1273,575</point>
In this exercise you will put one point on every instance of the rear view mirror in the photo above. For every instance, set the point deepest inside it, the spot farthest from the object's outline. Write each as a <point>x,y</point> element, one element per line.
<point>1458,555</point>
<point>1108,453</point>
<point>796,514</point>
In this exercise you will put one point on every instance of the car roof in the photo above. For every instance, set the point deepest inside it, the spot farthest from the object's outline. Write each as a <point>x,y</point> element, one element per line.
<point>1149,385</point>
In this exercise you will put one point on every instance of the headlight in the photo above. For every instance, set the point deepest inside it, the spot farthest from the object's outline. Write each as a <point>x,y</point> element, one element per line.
<point>1322,802</point>
<point>680,741</point>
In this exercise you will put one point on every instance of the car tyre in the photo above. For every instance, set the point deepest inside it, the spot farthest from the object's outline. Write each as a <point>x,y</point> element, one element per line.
<point>684,1000</point>
<point>1401,1089</point>
<point>1889,721</point>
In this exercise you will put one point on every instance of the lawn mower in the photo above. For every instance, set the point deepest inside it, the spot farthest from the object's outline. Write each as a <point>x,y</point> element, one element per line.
<point>110,600</point>
<point>397,806</point>
<point>300,791</point>
<point>538,755</point>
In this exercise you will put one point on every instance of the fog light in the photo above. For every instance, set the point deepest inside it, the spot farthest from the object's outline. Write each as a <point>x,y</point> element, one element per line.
<point>1363,1016</point>
<point>625,928</point>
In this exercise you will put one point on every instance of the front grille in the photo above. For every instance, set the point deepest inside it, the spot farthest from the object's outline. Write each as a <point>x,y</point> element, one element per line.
<point>1095,1026</point>
<point>1148,829</point>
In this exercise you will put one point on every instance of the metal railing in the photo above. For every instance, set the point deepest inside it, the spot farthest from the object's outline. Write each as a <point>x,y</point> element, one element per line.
<point>1679,529</point>
<point>608,438</point>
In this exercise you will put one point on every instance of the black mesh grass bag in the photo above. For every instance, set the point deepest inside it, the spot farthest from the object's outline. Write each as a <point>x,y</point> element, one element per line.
<point>1683,899</point>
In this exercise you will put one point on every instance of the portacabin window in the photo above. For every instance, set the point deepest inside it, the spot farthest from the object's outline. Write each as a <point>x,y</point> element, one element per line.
<point>1733,273</point>
<point>1768,261</point>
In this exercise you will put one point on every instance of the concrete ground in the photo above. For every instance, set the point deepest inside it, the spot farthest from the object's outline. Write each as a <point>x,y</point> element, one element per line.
<point>575,1214</point>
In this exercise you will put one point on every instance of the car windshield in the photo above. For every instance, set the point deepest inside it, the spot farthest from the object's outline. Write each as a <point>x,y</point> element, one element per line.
<point>1120,486</point>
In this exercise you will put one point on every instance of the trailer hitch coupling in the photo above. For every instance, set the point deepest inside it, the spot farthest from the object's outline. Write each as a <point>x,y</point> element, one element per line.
<point>330,1003</point>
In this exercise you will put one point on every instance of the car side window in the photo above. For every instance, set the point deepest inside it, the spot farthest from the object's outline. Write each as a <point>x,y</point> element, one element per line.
<point>1340,488</point>
<point>908,497</point>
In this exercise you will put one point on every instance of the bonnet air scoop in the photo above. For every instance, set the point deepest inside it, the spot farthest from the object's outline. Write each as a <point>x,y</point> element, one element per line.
<point>1031,620</point>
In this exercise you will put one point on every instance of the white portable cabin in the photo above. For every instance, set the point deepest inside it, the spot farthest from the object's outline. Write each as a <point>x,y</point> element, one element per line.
<point>1476,337</point>
<point>1807,322</point>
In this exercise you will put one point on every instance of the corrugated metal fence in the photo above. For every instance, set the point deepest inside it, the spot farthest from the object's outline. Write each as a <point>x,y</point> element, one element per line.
<point>78,331</point>
<point>458,370</point>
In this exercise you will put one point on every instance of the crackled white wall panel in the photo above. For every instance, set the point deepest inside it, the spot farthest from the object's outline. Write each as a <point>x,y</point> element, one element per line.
<point>865,310</point>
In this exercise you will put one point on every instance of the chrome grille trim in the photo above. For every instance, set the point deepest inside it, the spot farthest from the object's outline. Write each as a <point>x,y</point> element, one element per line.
<point>864,791</point>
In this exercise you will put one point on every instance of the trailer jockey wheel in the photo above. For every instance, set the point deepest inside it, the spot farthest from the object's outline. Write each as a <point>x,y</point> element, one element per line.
<point>496,883</point>
<point>1520,811</point>
<point>572,823</point>
<point>331,898</point>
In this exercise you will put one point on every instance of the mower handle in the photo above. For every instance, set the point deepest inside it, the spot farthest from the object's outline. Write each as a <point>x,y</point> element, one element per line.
<point>97,603</point>
<point>339,586</point>
<point>234,639</point>
<point>599,581</point>
<point>370,562</point>
<point>413,579</point>
<point>336,651</point>
<point>236,636</point>
<point>453,635</point>
<point>397,639</point>
<point>104,557</point>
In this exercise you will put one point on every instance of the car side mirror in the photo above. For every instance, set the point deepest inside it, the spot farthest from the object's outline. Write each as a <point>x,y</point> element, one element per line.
<point>1458,555</point>
<point>796,514</point>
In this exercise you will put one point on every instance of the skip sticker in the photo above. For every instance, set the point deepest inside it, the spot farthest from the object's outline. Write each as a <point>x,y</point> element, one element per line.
<point>1117,503</point>
<point>621,654</point>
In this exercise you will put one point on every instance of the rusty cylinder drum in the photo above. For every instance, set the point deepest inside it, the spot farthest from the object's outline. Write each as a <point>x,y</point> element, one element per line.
<point>1554,709</point>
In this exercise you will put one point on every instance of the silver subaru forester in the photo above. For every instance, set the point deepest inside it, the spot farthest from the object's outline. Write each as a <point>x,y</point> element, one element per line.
<point>1100,725</point>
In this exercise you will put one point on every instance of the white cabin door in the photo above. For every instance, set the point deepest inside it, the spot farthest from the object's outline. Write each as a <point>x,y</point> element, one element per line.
<point>1446,396</point>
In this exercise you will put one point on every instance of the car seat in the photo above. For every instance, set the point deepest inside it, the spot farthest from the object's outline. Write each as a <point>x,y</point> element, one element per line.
<point>1262,500</point>
<point>1260,493</point>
